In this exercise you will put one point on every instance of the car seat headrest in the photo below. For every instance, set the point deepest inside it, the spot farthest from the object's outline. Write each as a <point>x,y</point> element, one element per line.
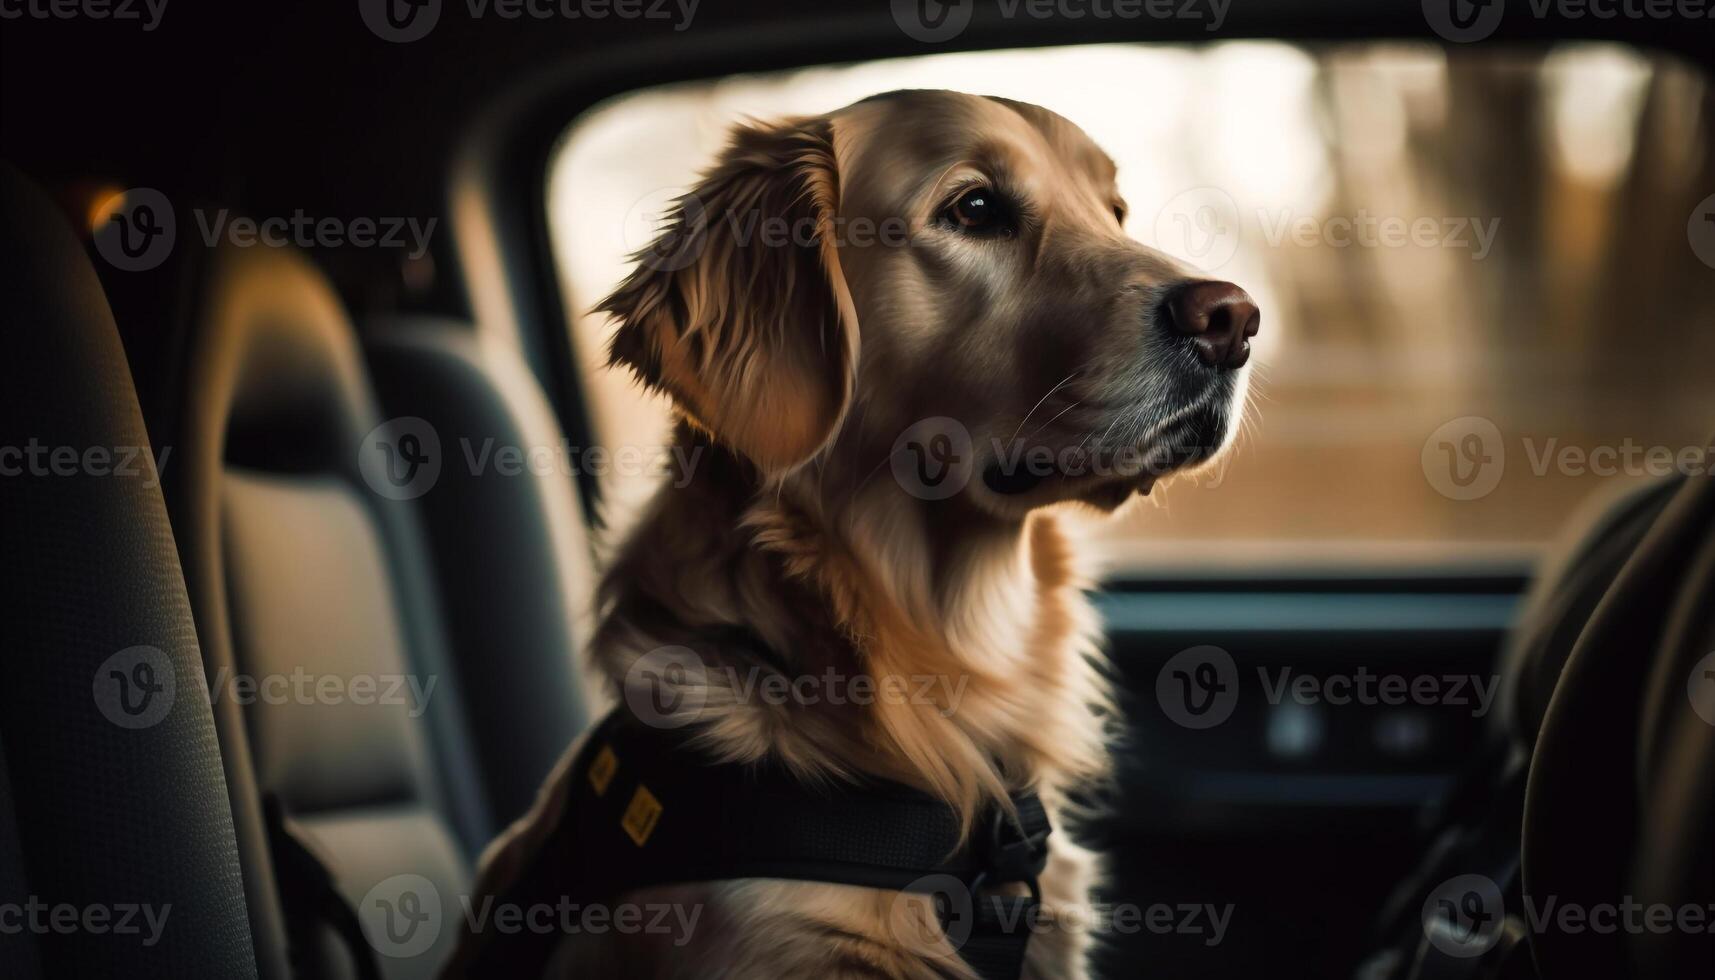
<point>279,374</point>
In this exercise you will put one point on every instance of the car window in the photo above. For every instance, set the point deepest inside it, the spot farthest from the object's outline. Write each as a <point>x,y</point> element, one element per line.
<point>1487,278</point>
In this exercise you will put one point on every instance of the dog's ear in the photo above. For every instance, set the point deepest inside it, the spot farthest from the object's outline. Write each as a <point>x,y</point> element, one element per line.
<point>739,311</point>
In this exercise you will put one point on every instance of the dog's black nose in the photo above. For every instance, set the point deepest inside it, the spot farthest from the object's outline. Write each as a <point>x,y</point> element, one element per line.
<point>1220,319</point>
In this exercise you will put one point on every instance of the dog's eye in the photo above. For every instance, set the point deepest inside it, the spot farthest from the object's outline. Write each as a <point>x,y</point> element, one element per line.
<point>1119,213</point>
<point>979,211</point>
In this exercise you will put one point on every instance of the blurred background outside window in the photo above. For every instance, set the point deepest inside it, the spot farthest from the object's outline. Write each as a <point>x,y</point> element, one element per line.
<point>1476,270</point>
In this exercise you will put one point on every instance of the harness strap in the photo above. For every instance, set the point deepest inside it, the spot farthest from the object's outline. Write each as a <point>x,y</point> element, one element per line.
<point>1000,936</point>
<point>647,808</point>
<point>312,903</point>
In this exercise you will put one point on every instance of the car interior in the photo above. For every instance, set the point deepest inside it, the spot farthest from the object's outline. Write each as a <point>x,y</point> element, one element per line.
<point>192,506</point>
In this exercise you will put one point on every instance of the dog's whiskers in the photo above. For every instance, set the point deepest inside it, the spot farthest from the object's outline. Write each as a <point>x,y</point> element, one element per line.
<point>1038,405</point>
<point>1051,421</point>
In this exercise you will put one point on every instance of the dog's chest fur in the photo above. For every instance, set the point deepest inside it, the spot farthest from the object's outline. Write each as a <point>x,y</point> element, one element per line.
<point>1003,621</point>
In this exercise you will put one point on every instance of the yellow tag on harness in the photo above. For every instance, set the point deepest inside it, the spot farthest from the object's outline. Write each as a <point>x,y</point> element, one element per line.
<point>602,769</point>
<point>641,815</point>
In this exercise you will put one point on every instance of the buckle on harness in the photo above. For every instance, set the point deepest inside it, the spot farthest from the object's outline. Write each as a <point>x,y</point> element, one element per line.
<point>1014,850</point>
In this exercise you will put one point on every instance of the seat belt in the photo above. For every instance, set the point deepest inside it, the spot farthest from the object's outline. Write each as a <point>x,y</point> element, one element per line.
<point>646,808</point>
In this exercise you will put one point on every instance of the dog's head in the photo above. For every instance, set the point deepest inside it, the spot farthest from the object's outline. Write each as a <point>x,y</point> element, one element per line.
<point>934,275</point>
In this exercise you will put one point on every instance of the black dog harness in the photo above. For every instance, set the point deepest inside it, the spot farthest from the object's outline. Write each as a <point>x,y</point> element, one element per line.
<point>646,808</point>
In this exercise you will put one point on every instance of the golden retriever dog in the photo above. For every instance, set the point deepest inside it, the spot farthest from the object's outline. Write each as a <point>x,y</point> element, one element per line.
<point>897,338</point>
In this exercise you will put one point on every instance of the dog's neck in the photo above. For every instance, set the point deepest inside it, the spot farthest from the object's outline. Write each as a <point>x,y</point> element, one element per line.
<point>949,650</point>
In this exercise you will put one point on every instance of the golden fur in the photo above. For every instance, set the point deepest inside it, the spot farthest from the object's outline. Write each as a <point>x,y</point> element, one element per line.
<point>796,367</point>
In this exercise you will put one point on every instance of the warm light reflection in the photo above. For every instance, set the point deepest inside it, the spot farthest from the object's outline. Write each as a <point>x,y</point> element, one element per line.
<point>1596,91</point>
<point>1256,131</point>
<point>104,202</point>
